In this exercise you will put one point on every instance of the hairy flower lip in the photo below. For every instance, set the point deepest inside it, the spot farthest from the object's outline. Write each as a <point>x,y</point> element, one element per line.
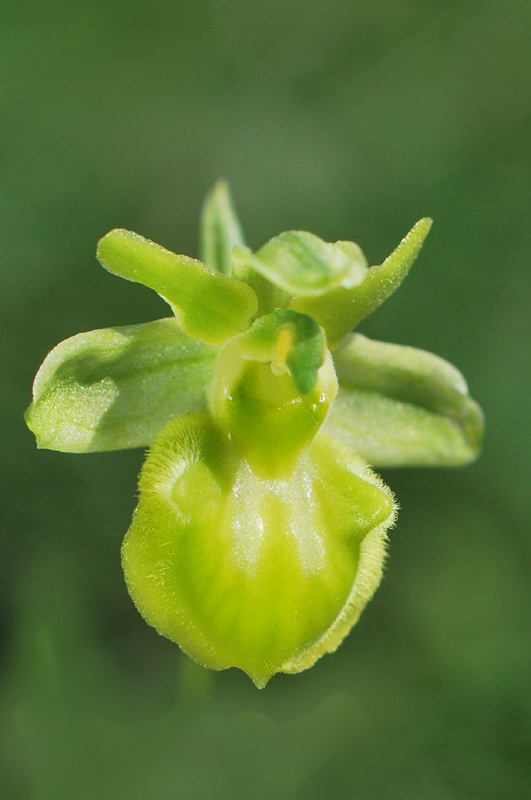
<point>252,547</point>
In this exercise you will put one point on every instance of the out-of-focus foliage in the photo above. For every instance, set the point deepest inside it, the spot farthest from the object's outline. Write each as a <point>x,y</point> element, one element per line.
<point>351,120</point>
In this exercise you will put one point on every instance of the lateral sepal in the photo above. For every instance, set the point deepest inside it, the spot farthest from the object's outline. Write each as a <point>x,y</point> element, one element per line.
<point>399,406</point>
<point>117,388</point>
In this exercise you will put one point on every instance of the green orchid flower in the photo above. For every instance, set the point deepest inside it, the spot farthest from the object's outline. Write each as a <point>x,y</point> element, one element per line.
<point>260,531</point>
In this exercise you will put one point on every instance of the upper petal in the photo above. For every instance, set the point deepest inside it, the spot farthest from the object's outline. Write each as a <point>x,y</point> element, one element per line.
<point>209,306</point>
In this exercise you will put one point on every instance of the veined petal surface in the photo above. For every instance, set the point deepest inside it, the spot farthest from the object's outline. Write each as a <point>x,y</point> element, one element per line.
<point>116,388</point>
<point>400,406</point>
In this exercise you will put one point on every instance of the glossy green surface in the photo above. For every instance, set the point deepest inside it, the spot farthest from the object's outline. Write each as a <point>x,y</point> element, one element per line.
<point>269,422</point>
<point>271,390</point>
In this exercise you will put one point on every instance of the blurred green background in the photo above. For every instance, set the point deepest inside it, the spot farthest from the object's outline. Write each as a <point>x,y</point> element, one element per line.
<point>351,120</point>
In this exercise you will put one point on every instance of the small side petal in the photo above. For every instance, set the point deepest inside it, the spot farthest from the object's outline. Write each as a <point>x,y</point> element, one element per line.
<point>340,310</point>
<point>116,388</point>
<point>210,307</point>
<point>399,406</point>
